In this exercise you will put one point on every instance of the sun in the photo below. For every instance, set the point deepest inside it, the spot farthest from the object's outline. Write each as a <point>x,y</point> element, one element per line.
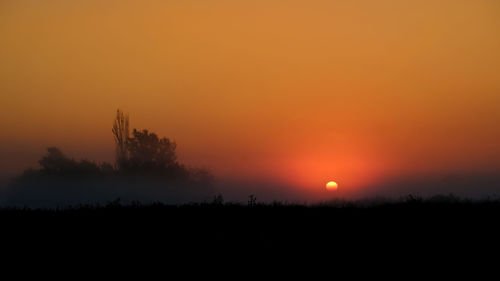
<point>331,185</point>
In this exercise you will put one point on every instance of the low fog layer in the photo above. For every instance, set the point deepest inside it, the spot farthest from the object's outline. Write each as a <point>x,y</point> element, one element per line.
<point>146,170</point>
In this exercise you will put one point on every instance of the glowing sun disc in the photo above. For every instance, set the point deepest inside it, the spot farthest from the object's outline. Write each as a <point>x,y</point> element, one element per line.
<point>331,185</point>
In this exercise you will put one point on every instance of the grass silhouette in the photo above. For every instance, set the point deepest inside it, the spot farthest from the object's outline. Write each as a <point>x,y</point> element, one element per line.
<point>441,220</point>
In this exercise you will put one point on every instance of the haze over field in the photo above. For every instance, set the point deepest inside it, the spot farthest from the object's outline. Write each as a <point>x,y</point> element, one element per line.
<point>383,97</point>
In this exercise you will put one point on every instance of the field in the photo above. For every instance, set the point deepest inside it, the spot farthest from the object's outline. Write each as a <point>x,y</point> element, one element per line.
<point>412,224</point>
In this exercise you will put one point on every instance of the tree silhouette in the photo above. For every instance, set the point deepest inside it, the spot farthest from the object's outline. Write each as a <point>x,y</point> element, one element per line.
<point>146,169</point>
<point>146,151</point>
<point>121,134</point>
<point>56,161</point>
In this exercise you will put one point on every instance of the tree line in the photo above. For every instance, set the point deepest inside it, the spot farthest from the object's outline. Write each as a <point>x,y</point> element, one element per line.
<point>140,152</point>
<point>146,167</point>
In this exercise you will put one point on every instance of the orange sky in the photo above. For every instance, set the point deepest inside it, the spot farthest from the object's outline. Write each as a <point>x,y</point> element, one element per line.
<point>298,92</point>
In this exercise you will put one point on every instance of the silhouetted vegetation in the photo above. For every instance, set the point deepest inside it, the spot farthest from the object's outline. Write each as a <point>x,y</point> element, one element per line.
<point>147,153</point>
<point>411,225</point>
<point>121,134</point>
<point>55,162</point>
<point>146,169</point>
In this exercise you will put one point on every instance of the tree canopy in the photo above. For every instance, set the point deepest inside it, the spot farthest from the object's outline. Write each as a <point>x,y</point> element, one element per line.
<point>146,151</point>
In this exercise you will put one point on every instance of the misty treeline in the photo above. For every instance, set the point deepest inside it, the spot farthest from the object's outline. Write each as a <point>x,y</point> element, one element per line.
<point>146,168</point>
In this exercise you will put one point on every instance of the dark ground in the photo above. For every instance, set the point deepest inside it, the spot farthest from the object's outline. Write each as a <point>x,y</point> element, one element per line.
<point>431,231</point>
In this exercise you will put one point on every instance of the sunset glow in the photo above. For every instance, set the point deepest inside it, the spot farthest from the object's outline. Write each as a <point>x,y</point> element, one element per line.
<point>285,92</point>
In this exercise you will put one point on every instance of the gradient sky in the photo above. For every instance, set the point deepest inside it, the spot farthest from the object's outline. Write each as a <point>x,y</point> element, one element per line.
<point>292,92</point>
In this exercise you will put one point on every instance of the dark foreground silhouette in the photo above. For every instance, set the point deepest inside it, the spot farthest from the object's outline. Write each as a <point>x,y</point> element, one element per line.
<point>400,239</point>
<point>440,224</point>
